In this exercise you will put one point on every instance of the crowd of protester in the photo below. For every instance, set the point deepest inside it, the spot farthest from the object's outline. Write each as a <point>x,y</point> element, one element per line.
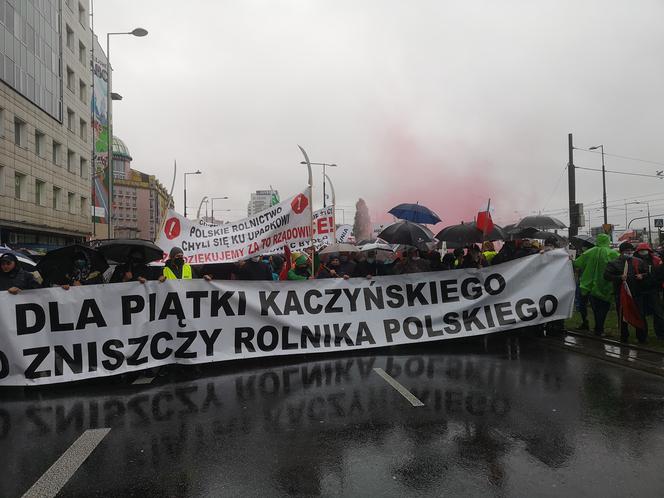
<point>600,271</point>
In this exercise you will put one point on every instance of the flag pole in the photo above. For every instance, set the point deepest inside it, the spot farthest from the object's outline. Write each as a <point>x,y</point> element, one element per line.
<point>168,201</point>
<point>334,210</point>
<point>311,209</point>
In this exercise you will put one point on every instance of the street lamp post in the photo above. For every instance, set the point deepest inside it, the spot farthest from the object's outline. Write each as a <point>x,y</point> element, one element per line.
<point>601,146</point>
<point>140,32</point>
<point>324,165</point>
<point>216,199</point>
<point>197,172</point>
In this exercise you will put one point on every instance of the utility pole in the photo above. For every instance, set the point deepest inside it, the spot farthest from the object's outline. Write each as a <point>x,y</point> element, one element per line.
<point>571,187</point>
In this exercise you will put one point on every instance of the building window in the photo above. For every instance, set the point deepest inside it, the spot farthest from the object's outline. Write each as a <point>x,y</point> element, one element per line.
<point>83,168</point>
<point>57,201</point>
<point>70,79</point>
<point>71,157</point>
<point>55,157</point>
<point>70,38</point>
<point>70,120</point>
<point>82,53</point>
<point>118,169</point>
<point>84,207</point>
<point>71,202</point>
<point>40,192</point>
<point>83,91</point>
<point>81,14</point>
<point>19,132</point>
<point>19,186</point>
<point>83,130</point>
<point>39,143</point>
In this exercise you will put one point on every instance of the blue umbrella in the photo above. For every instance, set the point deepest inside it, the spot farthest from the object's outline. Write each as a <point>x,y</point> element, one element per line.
<point>415,213</point>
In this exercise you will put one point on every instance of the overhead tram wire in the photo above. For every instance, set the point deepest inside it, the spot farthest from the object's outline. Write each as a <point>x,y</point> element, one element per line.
<point>622,157</point>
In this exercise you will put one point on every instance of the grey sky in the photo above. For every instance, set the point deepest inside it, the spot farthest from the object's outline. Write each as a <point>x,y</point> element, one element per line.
<point>444,102</point>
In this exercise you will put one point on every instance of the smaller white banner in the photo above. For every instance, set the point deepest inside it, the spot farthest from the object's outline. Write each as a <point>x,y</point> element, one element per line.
<point>285,223</point>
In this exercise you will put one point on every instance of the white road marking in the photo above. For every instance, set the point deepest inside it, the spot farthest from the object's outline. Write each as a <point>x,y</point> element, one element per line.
<point>143,380</point>
<point>400,389</point>
<point>53,480</point>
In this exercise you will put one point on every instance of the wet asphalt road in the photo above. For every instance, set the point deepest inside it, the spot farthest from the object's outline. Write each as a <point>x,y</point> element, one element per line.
<point>514,419</point>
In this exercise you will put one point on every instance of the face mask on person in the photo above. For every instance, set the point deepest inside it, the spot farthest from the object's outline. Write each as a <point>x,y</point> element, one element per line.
<point>79,264</point>
<point>643,253</point>
<point>628,254</point>
<point>370,260</point>
<point>178,262</point>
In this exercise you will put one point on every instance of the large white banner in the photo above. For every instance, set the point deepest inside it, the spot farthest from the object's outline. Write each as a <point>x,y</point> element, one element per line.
<point>54,335</point>
<point>284,223</point>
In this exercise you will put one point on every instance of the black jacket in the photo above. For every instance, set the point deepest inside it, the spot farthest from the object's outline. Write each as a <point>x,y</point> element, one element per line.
<point>253,270</point>
<point>18,277</point>
<point>614,271</point>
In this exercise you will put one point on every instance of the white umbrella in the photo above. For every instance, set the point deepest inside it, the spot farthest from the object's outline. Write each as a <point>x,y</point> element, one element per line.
<point>332,248</point>
<point>377,246</point>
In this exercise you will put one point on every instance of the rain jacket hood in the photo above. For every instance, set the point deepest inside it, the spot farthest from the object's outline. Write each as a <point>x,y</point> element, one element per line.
<point>592,263</point>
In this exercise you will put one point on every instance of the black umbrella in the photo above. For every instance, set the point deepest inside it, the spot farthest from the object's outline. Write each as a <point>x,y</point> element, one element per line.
<point>513,232</point>
<point>584,240</point>
<point>119,250</point>
<point>415,213</point>
<point>406,232</point>
<point>468,233</point>
<point>543,235</point>
<point>541,221</point>
<point>57,263</point>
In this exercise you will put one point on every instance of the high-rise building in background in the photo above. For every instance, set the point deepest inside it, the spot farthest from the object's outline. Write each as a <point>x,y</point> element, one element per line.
<point>139,200</point>
<point>261,200</point>
<point>45,132</point>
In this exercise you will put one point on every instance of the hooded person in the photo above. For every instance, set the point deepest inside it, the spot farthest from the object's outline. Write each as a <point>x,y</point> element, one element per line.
<point>81,272</point>
<point>13,278</point>
<point>132,270</point>
<point>649,301</point>
<point>252,269</point>
<point>632,270</point>
<point>177,269</point>
<point>301,269</point>
<point>332,268</point>
<point>592,265</point>
<point>488,251</point>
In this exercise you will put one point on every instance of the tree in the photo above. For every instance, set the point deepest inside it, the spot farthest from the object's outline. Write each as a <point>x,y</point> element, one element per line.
<point>362,228</point>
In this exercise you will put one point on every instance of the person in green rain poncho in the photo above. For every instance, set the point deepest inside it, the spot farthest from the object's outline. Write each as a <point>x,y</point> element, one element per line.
<point>592,264</point>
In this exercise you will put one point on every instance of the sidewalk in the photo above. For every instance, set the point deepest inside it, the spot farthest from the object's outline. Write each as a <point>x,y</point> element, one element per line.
<point>628,355</point>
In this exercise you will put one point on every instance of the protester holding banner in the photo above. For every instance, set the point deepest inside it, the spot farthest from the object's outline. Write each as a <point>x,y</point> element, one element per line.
<point>82,272</point>
<point>134,270</point>
<point>176,268</point>
<point>473,258</point>
<point>13,278</point>
<point>252,269</point>
<point>301,270</point>
<point>411,262</point>
<point>332,269</point>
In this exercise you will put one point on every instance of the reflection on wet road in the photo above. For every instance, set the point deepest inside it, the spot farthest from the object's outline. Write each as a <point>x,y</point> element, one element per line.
<point>516,420</point>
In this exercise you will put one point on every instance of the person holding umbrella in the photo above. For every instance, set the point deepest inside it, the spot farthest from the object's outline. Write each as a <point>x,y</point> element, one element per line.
<point>13,278</point>
<point>81,272</point>
<point>133,270</point>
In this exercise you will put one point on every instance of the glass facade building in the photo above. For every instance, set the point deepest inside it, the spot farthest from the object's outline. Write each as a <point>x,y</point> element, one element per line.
<point>31,51</point>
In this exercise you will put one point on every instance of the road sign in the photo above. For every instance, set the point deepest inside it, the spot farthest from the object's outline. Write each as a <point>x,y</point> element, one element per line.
<point>659,222</point>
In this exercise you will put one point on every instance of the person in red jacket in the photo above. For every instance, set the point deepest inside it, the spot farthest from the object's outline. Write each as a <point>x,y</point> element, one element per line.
<point>650,303</point>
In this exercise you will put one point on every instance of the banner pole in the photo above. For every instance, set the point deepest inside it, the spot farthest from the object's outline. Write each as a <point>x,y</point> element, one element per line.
<point>168,201</point>
<point>334,210</point>
<point>311,209</point>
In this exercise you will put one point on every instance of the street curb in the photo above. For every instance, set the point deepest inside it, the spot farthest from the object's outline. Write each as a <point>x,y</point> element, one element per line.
<point>613,342</point>
<point>625,360</point>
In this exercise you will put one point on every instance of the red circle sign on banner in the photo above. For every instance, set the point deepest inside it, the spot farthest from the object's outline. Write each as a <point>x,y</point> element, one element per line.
<point>300,203</point>
<point>172,228</point>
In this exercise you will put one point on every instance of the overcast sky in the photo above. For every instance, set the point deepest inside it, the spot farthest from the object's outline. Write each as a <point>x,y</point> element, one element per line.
<point>443,102</point>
